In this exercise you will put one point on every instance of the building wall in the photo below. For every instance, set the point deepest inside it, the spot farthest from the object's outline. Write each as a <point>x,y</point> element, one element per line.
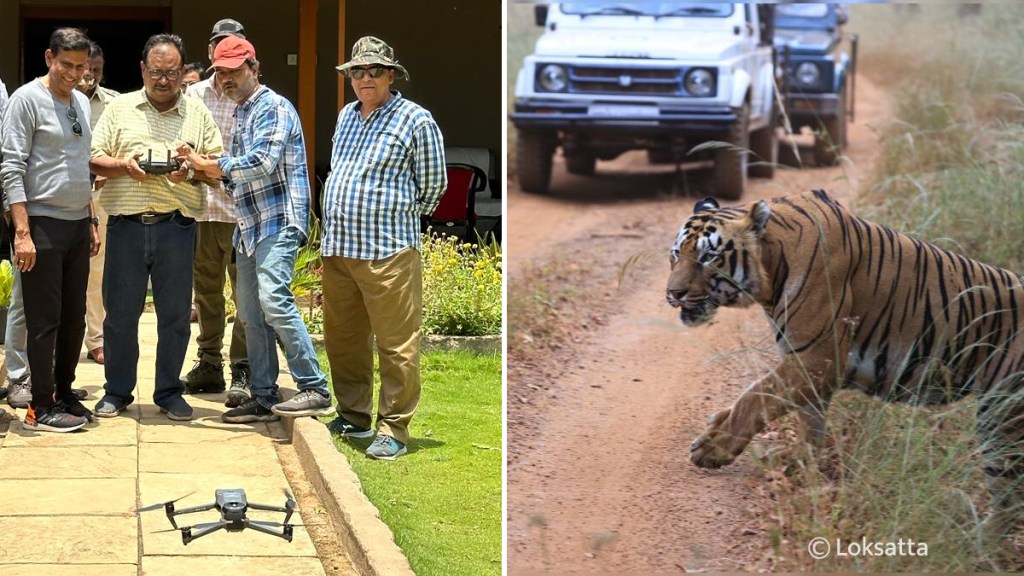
<point>452,49</point>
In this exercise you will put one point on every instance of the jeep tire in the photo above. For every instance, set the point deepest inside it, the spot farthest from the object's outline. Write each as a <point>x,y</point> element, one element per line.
<point>731,161</point>
<point>534,151</point>
<point>830,141</point>
<point>580,163</point>
<point>764,151</point>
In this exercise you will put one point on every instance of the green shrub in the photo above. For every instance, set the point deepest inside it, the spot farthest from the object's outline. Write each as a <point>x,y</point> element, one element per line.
<point>6,283</point>
<point>461,287</point>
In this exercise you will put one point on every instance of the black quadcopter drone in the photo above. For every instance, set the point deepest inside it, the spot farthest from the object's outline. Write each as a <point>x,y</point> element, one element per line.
<point>232,505</point>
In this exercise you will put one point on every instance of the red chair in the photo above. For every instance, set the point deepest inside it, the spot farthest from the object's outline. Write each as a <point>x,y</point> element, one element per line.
<point>455,214</point>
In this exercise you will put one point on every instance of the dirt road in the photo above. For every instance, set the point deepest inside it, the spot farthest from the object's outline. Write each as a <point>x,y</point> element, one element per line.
<point>598,431</point>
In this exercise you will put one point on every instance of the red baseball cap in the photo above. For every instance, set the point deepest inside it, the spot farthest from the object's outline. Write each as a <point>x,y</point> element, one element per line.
<point>232,52</point>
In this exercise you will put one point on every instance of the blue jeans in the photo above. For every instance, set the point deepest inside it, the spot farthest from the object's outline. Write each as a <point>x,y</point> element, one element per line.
<point>139,254</point>
<point>267,307</point>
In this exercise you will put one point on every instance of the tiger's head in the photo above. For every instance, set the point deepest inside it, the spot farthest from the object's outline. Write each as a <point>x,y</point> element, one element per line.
<point>716,260</point>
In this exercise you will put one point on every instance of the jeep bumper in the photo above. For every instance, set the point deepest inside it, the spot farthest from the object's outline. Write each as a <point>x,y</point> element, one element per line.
<point>639,118</point>
<point>804,108</point>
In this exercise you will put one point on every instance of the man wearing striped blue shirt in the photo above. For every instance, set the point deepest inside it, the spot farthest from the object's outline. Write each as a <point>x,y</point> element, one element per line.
<point>387,169</point>
<point>267,176</point>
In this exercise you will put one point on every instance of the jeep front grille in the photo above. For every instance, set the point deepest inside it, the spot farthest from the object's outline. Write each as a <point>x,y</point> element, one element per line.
<point>625,81</point>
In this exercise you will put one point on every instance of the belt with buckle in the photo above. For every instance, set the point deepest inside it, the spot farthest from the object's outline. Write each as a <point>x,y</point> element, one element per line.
<point>150,217</point>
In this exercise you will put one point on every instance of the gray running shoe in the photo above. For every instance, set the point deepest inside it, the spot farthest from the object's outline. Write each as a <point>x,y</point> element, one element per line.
<point>305,403</point>
<point>19,394</point>
<point>53,420</point>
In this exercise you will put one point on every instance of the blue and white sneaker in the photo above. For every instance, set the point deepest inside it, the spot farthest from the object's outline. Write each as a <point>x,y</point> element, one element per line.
<point>385,447</point>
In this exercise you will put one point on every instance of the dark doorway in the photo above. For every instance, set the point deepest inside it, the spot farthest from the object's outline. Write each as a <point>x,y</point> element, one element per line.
<point>121,32</point>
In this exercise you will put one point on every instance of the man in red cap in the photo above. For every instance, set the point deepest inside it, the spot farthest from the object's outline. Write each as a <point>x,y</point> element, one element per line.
<point>214,255</point>
<point>266,174</point>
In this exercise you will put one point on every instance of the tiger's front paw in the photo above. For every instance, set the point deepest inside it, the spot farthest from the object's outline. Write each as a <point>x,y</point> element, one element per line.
<point>716,447</point>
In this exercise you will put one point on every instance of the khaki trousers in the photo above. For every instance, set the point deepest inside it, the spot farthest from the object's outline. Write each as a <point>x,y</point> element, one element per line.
<point>382,298</point>
<point>212,258</point>
<point>94,311</point>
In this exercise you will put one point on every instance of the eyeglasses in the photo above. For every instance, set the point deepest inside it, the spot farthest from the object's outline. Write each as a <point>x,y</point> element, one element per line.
<point>76,128</point>
<point>373,71</point>
<point>155,74</point>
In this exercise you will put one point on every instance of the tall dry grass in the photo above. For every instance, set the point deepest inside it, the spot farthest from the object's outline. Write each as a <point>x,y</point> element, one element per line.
<point>951,172</point>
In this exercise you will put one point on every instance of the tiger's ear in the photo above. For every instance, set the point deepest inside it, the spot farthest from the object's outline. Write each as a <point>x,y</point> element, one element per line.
<point>759,214</point>
<point>708,203</point>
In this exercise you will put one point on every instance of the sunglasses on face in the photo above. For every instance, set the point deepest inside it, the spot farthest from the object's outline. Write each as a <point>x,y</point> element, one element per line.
<point>76,128</point>
<point>373,71</point>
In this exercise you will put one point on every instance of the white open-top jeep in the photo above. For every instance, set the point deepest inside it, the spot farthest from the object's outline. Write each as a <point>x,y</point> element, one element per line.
<point>664,77</point>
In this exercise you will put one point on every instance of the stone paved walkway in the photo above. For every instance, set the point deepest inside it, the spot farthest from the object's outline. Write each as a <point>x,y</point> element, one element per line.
<point>69,500</point>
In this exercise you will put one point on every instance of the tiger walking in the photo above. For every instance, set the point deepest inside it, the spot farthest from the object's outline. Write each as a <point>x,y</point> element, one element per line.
<point>856,305</point>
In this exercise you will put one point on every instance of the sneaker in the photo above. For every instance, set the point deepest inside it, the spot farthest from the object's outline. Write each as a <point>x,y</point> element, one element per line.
<point>19,394</point>
<point>342,427</point>
<point>79,393</point>
<point>74,406</point>
<point>385,447</point>
<point>53,420</point>
<point>109,406</point>
<point>177,409</point>
<point>239,392</point>
<point>249,411</point>
<point>305,403</point>
<point>205,377</point>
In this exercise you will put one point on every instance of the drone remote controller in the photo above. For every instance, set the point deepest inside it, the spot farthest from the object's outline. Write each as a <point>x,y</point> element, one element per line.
<point>151,166</point>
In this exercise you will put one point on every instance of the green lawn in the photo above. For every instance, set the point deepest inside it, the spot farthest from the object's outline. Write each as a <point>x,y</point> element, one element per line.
<point>443,499</point>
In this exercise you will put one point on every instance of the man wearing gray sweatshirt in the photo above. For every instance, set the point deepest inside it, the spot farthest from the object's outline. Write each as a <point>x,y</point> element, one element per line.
<point>45,173</point>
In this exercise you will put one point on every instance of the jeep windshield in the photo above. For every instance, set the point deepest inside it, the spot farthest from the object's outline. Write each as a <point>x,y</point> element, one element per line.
<point>655,9</point>
<point>805,16</point>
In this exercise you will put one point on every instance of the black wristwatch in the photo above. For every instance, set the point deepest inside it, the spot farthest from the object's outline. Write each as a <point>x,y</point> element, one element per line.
<point>95,220</point>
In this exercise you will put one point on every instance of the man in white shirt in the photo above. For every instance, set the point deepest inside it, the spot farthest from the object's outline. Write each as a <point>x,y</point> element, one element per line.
<point>98,96</point>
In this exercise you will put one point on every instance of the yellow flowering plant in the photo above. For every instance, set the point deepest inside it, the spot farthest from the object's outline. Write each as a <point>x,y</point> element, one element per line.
<point>461,286</point>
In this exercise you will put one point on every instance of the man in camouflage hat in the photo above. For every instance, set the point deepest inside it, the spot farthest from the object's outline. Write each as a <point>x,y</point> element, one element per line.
<point>387,169</point>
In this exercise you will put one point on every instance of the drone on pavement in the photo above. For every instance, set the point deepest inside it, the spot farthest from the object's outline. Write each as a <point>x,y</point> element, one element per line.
<point>232,505</point>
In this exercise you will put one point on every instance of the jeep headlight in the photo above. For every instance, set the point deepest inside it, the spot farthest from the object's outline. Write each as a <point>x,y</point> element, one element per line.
<point>700,82</point>
<point>552,78</point>
<point>808,75</point>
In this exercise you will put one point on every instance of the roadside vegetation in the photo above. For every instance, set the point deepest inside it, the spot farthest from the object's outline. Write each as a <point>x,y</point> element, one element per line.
<point>951,172</point>
<point>522,35</point>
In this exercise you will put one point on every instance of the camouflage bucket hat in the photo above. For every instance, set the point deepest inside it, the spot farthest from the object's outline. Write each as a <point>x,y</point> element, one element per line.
<point>368,51</point>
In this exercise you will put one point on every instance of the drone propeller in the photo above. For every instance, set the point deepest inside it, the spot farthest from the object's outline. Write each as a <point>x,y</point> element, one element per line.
<point>163,505</point>
<point>288,495</point>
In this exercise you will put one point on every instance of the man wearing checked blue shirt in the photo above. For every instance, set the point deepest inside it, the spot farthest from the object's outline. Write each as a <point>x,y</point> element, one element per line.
<point>266,175</point>
<point>387,169</point>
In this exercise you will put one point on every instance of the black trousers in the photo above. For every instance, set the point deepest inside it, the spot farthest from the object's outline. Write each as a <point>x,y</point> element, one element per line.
<point>54,295</point>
